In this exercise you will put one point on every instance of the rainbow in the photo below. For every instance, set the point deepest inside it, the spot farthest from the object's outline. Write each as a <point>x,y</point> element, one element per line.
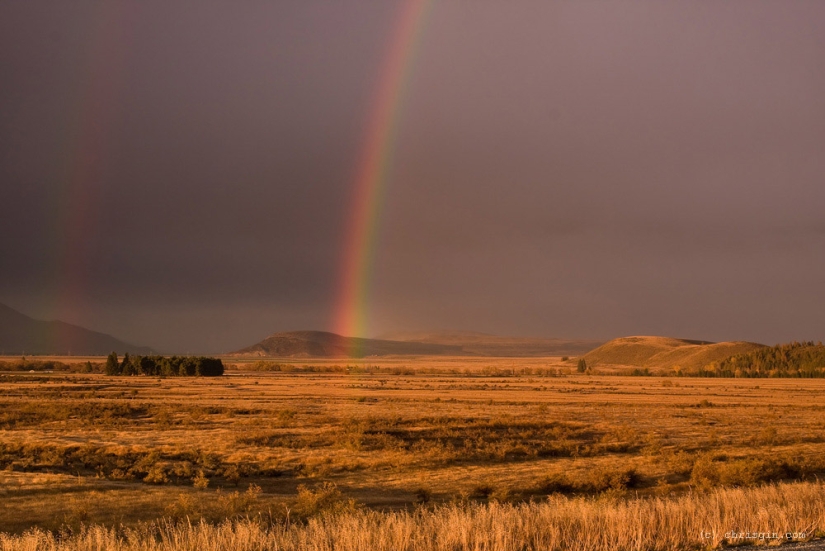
<point>372,170</point>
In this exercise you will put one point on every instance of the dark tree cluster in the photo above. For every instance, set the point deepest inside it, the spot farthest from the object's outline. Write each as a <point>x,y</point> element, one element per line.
<point>163,366</point>
<point>796,359</point>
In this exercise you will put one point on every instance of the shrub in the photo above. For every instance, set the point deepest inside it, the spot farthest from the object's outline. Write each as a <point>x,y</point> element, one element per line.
<point>232,474</point>
<point>184,506</point>
<point>718,470</point>
<point>482,492</point>
<point>597,480</point>
<point>602,479</point>
<point>156,475</point>
<point>422,495</point>
<point>200,481</point>
<point>236,503</point>
<point>326,498</point>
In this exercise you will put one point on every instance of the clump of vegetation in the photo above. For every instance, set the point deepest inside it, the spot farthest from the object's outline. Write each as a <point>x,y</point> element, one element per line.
<point>24,364</point>
<point>235,504</point>
<point>270,366</point>
<point>149,466</point>
<point>422,495</point>
<point>324,498</point>
<point>200,481</point>
<point>184,366</point>
<point>719,470</point>
<point>594,481</point>
<point>451,440</point>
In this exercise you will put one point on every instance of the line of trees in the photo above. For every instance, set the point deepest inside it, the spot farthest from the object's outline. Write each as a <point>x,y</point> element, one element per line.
<point>24,364</point>
<point>172,366</point>
<point>796,359</point>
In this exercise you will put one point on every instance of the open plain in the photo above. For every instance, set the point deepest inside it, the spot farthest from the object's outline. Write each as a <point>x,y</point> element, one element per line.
<point>297,439</point>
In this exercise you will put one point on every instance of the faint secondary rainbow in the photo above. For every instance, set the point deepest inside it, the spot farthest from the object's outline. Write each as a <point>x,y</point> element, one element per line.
<point>85,155</point>
<point>373,167</point>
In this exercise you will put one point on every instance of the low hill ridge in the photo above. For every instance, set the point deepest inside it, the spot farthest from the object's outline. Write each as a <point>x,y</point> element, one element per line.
<point>20,334</point>
<point>665,352</point>
<point>309,344</point>
<point>483,344</point>
<point>446,343</point>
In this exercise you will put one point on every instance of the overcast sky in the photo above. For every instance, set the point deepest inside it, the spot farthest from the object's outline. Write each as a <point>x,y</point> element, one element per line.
<point>177,174</point>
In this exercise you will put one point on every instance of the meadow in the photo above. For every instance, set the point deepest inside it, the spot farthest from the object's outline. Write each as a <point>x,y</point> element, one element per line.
<point>296,453</point>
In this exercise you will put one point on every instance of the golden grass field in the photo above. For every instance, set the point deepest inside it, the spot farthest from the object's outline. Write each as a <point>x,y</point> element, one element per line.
<point>524,449</point>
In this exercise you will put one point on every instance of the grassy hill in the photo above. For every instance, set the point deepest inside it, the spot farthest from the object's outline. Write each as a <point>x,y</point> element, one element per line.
<point>665,353</point>
<point>320,344</point>
<point>20,334</point>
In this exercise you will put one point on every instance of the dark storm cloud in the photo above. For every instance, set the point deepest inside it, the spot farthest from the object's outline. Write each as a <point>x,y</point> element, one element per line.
<point>224,166</point>
<point>603,169</point>
<point>562,169</point>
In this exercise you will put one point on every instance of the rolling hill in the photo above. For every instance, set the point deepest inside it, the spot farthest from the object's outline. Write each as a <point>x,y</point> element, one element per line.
<point>20,334</point>
<point>664,352</point>
<point>320,344</point>
<point>482,344</point>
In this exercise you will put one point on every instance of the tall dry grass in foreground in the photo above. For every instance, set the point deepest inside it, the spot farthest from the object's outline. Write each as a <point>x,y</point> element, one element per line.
<point>688,522</point>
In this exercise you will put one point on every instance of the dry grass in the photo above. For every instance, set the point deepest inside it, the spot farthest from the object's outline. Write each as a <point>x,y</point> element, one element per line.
<point>382,436</point>
<point>768,514</point>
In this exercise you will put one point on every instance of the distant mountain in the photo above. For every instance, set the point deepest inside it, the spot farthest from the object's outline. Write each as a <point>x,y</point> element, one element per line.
<point>20,334</point>
<point>482,344</point>
<point>665,352</point>
<point>319,344</point>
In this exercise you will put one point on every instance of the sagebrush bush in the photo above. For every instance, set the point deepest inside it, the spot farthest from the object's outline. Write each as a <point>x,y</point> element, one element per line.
<point>597,480</point>
<point>324,498</point>
<point>718,470</point>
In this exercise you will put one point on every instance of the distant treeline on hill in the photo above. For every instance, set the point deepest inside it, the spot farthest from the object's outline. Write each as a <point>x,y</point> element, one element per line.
<point>797,359</point>
<point>172,366</point>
